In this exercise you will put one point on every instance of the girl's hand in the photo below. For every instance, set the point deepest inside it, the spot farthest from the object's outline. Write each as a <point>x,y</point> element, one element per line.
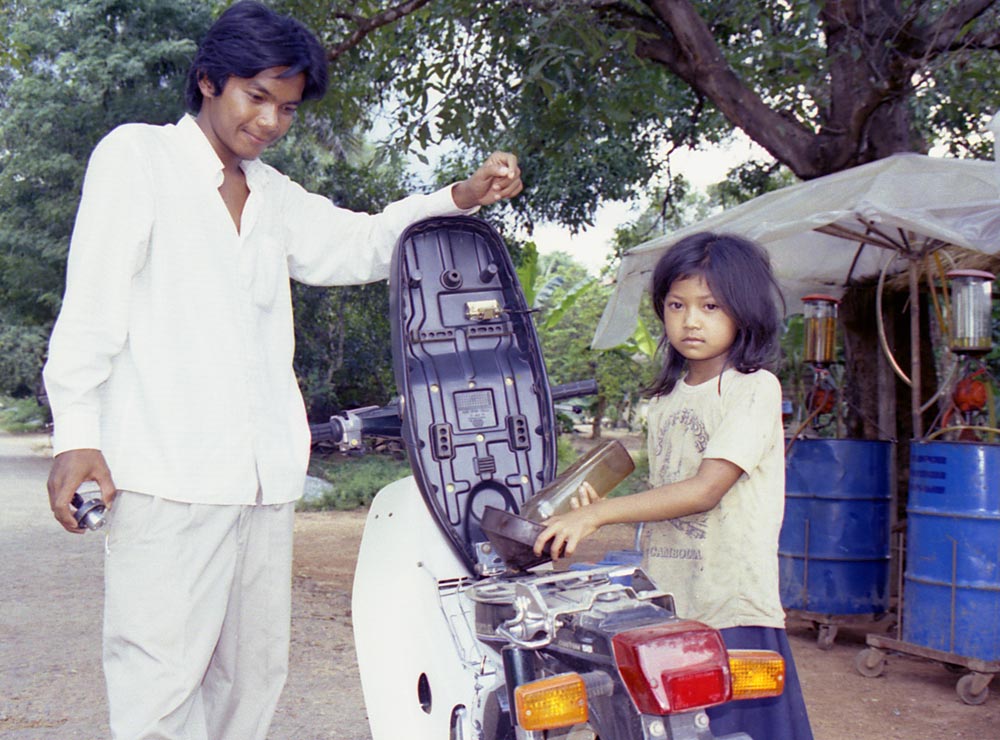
<point>566,530</point>
<point>584,496</point>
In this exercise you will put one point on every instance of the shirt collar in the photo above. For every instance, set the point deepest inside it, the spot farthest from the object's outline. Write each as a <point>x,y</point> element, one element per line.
<point>199,149</point>
<point>255,171</point>
<point>205,159</point>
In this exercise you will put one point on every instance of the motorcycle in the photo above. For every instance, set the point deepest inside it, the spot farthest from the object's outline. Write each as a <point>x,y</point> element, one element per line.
<point>461,632</point>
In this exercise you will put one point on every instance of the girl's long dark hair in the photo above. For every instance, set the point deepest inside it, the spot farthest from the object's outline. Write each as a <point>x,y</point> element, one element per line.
<point>738,272</point>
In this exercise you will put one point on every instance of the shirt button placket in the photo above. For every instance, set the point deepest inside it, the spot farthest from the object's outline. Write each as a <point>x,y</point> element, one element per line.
<point>253,380</point>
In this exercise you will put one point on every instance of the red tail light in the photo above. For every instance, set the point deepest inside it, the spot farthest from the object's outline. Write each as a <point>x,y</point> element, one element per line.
<point>673,667</point>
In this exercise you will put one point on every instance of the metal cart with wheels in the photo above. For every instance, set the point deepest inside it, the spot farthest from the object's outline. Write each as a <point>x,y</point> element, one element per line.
<point>946,615</point>
<point>828,625</point>
<point>972,687</point>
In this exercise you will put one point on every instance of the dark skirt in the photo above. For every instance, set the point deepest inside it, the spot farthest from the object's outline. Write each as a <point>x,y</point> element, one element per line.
<point>779,718</point>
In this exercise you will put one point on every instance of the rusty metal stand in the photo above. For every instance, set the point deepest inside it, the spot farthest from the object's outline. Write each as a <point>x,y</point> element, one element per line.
<point>828,624</point>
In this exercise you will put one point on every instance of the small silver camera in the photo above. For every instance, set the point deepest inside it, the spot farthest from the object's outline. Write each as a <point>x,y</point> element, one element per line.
<point>90,510</point>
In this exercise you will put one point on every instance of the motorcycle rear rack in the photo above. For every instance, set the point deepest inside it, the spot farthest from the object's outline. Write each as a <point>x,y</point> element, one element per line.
<point>539,602</point>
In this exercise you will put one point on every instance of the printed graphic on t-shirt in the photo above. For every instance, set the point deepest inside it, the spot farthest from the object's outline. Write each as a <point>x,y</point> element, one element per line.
<point>720,566</point>
<point>681,439</point>
<point>674,553</point>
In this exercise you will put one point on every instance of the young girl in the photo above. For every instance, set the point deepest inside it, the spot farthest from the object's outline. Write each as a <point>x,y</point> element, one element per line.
<point>716,458</point>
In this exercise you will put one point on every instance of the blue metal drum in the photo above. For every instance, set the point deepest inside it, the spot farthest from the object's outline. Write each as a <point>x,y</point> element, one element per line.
<point>951,591</point>
<point>833,551</point>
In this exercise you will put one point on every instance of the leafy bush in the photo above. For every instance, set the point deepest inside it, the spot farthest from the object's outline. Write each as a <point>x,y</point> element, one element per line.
<point>22,354</point>
<point>566,454</point>
<point>355,480</point>
<point>23,414</point>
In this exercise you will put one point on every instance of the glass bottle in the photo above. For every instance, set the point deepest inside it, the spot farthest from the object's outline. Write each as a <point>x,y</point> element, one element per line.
<point>604,467</point>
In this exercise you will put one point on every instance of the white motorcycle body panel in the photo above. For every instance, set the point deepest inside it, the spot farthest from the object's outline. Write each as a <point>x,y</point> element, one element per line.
<point>422,670</point>
<point>475,413</point>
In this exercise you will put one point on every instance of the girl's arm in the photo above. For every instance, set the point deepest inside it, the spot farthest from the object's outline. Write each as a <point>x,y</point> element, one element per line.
<point>701,492</point>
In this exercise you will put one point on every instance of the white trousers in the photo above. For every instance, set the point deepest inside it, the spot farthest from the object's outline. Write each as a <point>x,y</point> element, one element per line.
<point>197,618</point>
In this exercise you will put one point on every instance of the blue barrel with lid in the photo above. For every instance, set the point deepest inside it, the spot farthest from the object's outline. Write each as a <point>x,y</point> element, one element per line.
<point>833,552</point>
<point>951,588</point>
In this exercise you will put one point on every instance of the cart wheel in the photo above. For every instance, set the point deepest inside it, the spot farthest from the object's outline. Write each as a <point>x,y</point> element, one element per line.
<point>966,688</point>
<point>870,662</point>
<point>827,634</point>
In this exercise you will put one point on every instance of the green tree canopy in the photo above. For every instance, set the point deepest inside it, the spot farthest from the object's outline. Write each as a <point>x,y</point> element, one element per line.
<point>70,72</point>
<point>594,93</point>
<point>570,304</point>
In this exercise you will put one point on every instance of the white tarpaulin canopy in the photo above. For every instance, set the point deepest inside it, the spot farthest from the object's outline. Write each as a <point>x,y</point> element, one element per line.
<point>825,233</point>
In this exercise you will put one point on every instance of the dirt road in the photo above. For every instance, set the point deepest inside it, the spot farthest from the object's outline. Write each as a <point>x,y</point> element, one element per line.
<point>51,686</point>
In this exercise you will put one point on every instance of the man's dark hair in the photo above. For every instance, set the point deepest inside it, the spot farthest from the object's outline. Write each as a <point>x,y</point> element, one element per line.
<point>247,39</point>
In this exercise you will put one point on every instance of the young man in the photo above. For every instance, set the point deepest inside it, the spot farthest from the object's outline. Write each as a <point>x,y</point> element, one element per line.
<point>171,383</point>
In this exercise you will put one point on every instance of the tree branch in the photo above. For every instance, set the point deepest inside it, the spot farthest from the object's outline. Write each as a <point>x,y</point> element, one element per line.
<point>367,25</point>
<point>956,16</point>
<point>986,40</point>
<point>687,47</point>
<point>943,35</point>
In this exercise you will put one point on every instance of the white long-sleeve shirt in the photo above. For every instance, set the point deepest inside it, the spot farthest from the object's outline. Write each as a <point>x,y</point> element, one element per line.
<point>172,353</point>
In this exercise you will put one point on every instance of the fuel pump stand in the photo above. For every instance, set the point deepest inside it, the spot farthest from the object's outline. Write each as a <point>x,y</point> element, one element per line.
<point>833,551</point>
<point>949,603</point>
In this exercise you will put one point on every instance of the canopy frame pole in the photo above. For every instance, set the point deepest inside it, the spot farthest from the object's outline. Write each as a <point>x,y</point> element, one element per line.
<point>918,425</point>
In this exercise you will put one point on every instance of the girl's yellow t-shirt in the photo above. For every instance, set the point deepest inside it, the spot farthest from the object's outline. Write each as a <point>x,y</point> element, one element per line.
<point>721,565</point>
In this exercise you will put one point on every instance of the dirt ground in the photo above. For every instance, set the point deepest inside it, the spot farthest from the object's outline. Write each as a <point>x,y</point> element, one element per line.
<point>912,700</point>
<point>51,686</point>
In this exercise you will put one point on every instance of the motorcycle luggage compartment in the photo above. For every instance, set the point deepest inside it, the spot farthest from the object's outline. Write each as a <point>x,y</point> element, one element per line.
<point>514,538</point>
<point>477,416</point>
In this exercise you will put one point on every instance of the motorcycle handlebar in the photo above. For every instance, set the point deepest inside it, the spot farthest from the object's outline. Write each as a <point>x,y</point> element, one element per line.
<point>331,431</point>
<point>347,427</point>
<point>574,389</point>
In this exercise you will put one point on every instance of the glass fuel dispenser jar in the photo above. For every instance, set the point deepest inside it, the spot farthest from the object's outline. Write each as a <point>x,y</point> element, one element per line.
<point>970,319</point>
<point>820,322</point>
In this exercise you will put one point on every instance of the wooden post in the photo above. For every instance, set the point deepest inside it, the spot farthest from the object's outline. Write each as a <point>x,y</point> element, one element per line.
<point>887,419</point>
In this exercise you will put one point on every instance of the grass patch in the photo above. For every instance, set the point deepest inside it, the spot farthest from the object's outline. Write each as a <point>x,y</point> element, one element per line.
<point>355,480</point>
<point>23,415</point>
<point>566,455</point>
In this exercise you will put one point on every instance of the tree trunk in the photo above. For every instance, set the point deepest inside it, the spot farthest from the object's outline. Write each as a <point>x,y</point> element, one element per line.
<point>861,350</point>
<point>861,391</point>
<point>866,116</point>
<point>596,423</point>
<point>872,390</point>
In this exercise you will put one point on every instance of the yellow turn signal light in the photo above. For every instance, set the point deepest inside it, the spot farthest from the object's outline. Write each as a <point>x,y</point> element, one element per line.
<point>557,701</point>
<point>756,674</point>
